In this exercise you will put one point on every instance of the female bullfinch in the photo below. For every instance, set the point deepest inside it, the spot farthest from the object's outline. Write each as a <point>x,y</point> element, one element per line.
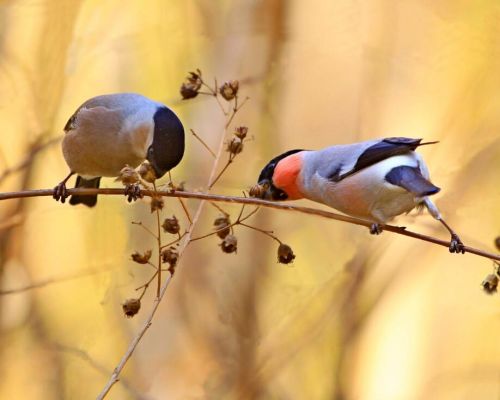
<point>110,131</point>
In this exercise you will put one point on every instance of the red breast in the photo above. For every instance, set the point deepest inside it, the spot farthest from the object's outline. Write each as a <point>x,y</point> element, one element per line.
<point>286,173</point>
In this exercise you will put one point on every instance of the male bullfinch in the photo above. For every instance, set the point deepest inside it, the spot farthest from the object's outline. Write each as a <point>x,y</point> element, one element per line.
<point>109,131</point>
<point>374,180</point>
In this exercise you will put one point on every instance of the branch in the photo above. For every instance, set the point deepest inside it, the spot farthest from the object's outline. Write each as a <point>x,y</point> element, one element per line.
<point>256,202</point>
<point>34,150</point>
<point>184,244</point>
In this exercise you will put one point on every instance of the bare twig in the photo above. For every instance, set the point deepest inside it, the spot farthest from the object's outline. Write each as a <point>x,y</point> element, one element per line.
<point>203,143</point>
<point>187,238</point>
<point>50,281</point>
<point>84,356</point>
<point>34,150</point>
<point>257,202</point>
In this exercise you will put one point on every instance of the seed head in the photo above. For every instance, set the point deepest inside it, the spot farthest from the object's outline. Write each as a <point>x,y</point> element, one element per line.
<point>229,244</point>
<point>171,225</point>
<point>192,85</point>
<point>285,254</point>
<point>497,243</point>
<point>257,191</point>
<point>131,307</point>
<point>235,146</point>
<point>157,203</point>
<point>142,258</point>
<point>490,284</point>
<point>241,132</point>
<point>147,172</point>
<point>128,176</point>
<point>229,90</point>
<point>222,225</point>
<point>170,256</point>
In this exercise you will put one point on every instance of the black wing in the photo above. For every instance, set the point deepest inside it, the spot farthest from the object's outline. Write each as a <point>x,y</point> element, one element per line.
<point>380,151</point>
<point>411,179</point>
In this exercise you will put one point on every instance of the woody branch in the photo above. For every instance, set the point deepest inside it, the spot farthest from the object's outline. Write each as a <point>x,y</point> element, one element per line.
<point>251,201</point>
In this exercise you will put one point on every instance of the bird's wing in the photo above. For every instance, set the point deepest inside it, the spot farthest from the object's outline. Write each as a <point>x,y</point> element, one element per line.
<point>95,121</point>
<point>411,179</point>
<point>353,158</point>
<point>118,103</point>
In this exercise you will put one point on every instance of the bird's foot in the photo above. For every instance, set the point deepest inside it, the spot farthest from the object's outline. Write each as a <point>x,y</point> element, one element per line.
<point>133,192</point>
<point>375,229</point>
<point>456,245</point>
<point>60,192</point>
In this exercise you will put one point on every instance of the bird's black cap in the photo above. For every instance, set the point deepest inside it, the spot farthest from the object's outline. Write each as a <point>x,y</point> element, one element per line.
<point>167,148</point>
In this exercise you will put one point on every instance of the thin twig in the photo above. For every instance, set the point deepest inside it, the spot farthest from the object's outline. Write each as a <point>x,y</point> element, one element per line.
<point>35,149</point>
<point>228,163</point>
<point>238,221</point>
<point>186,211</point>
<point>187,238</point>
<point>139,223</point>
<point>203,143</point>
<point>84,356</point>
<point>218,208</point>
<point>50,281</point>
<point>174,241</point>
<point>257,202</point>
<point>145,286</point>
<point>268,233</point>
<point>158,225</point>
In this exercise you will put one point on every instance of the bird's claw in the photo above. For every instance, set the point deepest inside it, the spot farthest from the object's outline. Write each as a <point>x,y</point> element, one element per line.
<point>133,192</point>
<point>375,229</point>
<point>60,192</point>
<point>456,245</point>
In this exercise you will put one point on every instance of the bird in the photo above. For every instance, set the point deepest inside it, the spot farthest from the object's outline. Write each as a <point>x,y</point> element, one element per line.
<point>376,180</point>
<point>110,131</point>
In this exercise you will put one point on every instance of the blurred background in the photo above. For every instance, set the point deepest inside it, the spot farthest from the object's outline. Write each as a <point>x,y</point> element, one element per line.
<point>355,316</point>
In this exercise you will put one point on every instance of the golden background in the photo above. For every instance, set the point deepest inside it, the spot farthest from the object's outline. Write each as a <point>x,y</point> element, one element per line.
<point>355,316</point>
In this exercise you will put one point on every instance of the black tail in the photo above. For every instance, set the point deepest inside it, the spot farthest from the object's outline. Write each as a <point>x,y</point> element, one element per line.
<point>89,201</point>
<point>411,179</point>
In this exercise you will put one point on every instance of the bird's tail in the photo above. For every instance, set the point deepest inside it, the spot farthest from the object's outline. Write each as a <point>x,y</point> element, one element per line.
<point>426,143</point>
<point>89,201</point>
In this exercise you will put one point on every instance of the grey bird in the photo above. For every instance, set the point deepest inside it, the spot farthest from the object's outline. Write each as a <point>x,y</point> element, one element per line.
<point>375,180</point>
<point>110,131</point>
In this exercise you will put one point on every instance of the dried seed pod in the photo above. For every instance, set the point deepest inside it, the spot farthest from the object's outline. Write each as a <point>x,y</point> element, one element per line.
<point>170,256</point>
<point>131,307</point>
<point>490,284</point>
<point>257,191</point>
<point>229,244</point>
<point>285,254</point>
<point>171,225</point>
<point>497,243</point>
<point>235,146</point>
<point>142,258</point>
<point>147,172</point>
<point>192,86</point>
<point>179,187</point>
<point>157,203</point>
<point>222,225</point>
<point>128,176</point>
<point>229,90</point>
<point>241,132</point>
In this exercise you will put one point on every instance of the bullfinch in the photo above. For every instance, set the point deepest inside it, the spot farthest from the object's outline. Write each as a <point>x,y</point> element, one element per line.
<point>375,180</point>
<point>110,131</point>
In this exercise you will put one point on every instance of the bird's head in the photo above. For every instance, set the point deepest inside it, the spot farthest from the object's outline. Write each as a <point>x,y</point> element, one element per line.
<point>167,148</point>
<point>278,179</point>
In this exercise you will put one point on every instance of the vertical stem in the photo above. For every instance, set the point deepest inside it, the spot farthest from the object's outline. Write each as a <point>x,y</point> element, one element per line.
<point>158,239</point>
